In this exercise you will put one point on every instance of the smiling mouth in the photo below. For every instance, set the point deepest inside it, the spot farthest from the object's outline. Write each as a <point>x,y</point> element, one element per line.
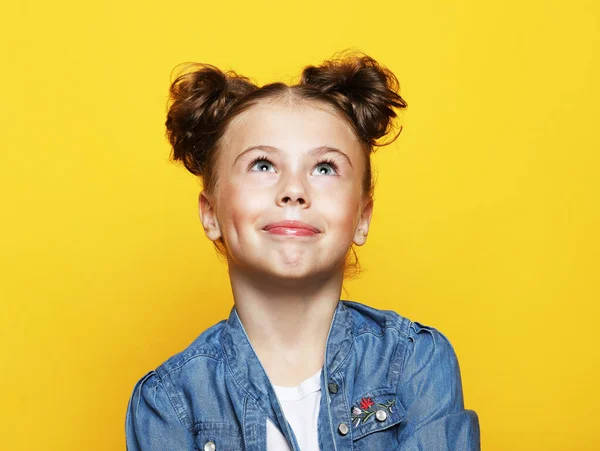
<point>291,228</point>
<point>291,231</point>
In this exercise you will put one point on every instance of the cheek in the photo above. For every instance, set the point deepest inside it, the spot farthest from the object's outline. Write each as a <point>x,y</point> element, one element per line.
<point>240,204</point>
<point>341,211</point>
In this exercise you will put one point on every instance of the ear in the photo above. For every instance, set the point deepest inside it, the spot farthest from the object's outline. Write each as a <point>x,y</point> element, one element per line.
<point>208,217</point>
<point>362,228</point>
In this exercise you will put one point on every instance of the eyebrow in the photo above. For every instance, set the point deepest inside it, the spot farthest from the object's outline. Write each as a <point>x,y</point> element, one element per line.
<point>321,150</point>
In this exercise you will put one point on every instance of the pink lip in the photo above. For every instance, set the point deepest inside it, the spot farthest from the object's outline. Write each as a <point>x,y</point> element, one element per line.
<point>291,228</point>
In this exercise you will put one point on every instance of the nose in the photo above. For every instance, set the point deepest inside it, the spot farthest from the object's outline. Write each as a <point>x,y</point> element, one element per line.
<point>293,192</point>
<point>293,200</point>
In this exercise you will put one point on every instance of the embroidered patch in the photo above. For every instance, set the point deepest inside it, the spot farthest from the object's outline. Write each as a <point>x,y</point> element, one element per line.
<point>367,408</point>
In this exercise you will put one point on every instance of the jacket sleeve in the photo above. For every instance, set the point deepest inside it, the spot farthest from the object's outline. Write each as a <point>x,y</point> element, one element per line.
<point>151,422</point>
<point>431,391</point>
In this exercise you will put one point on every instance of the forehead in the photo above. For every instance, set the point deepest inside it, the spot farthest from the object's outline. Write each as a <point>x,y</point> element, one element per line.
<point>292,127</point>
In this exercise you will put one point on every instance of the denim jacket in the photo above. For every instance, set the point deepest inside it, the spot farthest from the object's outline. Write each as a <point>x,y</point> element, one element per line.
<point>387,384</point>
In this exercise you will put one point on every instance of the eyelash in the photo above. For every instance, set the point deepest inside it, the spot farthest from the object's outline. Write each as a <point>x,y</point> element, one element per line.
<point>328,161</point>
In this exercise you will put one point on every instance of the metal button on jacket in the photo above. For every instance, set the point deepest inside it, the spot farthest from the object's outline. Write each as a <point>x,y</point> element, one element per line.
<point>343,428</point>
<point>381,415</point>
<point>210,446</point>
<point>333,387</point>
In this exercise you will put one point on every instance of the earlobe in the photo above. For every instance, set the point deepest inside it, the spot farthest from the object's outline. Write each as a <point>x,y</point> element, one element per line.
<point>362,228</point>
<point>208,217</point>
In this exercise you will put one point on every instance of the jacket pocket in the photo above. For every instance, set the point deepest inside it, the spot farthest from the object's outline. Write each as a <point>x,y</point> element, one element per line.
<point>374,411</point>
<point>214,436</point>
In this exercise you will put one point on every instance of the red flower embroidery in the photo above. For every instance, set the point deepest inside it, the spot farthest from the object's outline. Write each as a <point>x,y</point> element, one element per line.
<point>365,403</point>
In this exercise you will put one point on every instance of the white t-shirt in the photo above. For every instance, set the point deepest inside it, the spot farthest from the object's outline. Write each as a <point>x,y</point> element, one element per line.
<point>300,406</point>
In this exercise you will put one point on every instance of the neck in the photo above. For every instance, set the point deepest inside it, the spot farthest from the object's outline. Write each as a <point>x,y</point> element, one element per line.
<point>287,321</point>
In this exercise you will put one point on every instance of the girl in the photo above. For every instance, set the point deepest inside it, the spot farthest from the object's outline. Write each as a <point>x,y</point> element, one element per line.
<point>287,192</point>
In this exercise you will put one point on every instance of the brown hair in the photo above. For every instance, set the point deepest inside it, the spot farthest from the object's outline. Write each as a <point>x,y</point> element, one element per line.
<point>203,101</point>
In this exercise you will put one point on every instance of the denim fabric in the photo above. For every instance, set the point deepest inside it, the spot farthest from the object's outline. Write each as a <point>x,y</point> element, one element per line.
<point>388,383</point>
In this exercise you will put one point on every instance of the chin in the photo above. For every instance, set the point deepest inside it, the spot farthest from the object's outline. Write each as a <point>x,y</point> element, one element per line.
<point>291,271</point>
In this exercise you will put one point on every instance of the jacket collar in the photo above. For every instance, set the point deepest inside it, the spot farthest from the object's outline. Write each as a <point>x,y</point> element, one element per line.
<point>249,373</point>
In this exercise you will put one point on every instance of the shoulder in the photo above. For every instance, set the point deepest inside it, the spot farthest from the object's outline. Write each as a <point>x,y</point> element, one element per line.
<point>186,366</point>
<point>430,392</point>
<point>423,366</point>
<point>430,350</point>
<point>419,348</point>
<point>153,421</point>
<point>425,340</point>
<point>180,374</point>
<point>367,319</point>
<point>430,373</point>
<point>205,348</point>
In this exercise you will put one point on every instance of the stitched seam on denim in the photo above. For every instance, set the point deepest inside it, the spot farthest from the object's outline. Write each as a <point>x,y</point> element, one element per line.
<point>384,327</point>
<point>398,338</point>
<point>400,323</point>
<point>349,353</point>
<point>345,360</point>
<point>408,349</point>
<point>379,428</point>
<point>144,379</point>
<point>418,327</point>
<point>326,378</point>
<point>396,321</point>
<point>347,407</point>
<point>402,363</point>
<point>172,393</point>
<point>371,332</point>
<point>235,380</point>
<point>191,358</point>
<point>396,363</point>
<point>389,391</point>
<point>214,425</point>
<point>170,370</point>
<point>253,428</point>
<point>245,410</point>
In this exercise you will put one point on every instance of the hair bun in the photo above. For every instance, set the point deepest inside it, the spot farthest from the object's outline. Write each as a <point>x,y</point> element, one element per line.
<point>200,98</point>
<point>365,90</point>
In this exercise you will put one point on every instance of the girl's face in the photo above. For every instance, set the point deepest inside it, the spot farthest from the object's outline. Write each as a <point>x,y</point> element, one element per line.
<point>281,162</point>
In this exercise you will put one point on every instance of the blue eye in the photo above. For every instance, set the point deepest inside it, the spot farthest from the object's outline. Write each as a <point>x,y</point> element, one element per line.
<point>262,162</point>
<point>329,163</point>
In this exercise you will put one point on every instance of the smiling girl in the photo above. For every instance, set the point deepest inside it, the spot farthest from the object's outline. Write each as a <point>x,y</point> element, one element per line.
<point>287,193</point>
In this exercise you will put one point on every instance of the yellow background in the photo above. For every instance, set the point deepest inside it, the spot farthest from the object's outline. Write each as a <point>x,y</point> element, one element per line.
<point>485,225</point>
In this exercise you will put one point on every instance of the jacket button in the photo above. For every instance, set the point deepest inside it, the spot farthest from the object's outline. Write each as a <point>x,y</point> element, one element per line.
<point>210,446</point>
<point>380,415</point>
<point>343,428</point>
<point>333,387</point>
